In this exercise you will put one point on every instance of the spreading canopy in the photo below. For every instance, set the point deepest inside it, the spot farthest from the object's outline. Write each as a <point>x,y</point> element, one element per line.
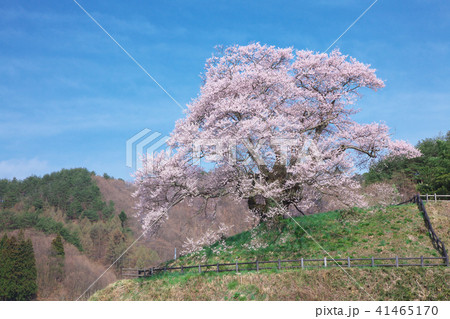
<point>277,125</point>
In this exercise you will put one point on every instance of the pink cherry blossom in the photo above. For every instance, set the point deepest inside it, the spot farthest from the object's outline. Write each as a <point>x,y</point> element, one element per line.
<point>284,121</point>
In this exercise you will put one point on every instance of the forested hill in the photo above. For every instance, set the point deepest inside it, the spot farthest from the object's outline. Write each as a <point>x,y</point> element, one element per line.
<point>95,214</point>
<point>69,203</point>
<point>429,173</point>
<point>71,191</point>
<point>53,203</point>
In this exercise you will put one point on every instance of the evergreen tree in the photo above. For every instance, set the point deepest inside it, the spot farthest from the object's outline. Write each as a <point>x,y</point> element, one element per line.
<point>116,247</point>
<point>123,218</point>
<point>108,211</point>
<point>12,283</point>
<point>27,285</point>
<point>18,272</point>
<point>5,267</point>
<point>57,246</point>
<point>57,255</point>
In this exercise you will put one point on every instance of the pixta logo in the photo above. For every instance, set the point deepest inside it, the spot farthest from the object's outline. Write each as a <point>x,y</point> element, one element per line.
<point>144,142</point>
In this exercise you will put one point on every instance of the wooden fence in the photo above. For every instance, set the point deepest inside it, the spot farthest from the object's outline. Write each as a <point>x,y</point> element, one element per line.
<point>311,263</point>
<point>435,197</point>
<point>301,263</point>
<point>437,243</point>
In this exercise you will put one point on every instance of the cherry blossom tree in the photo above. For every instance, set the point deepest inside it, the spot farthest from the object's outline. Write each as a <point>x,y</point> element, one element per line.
<point>208,238</point>
<point>277,126</point>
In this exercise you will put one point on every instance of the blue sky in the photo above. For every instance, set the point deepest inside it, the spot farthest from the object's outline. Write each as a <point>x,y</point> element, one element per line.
<point>69,97</point>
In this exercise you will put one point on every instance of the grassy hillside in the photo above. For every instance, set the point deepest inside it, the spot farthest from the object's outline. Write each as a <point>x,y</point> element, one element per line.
<point>381,231</point>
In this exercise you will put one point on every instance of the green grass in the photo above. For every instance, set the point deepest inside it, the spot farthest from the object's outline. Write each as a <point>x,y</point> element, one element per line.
<point>380,231</point>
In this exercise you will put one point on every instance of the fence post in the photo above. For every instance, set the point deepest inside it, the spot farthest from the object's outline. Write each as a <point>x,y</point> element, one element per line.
<point>373,262</point>
<point>217,267</point>
<point>325,261</point>
<point>257,266</point>
<point>237,267</point>
<point>151,271</point>
<point>279,264</point>
<point>199,268</point>
<point>182,270</point>
<point>348,262</point>
<point>435,198</point>
<point>301,262</point>
<point>427,197</point>
<point>421,261</point>
<point>396,261</point>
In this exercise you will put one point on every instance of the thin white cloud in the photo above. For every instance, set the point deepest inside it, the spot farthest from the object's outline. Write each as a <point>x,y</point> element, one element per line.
<point>137,24</point>
<point>27,118</point>
<point>22,168</point>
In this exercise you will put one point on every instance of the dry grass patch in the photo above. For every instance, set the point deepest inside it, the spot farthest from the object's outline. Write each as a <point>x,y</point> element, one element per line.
<point>439,213</point>
<point>314,284</point>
